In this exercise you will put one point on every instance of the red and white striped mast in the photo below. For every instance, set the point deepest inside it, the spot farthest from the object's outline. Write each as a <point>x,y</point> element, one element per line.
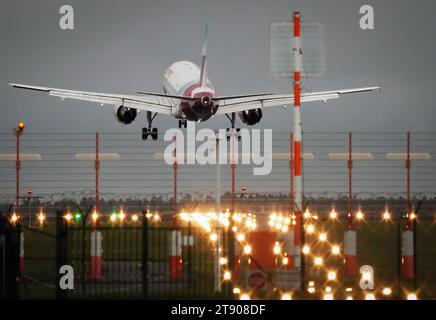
<point>297,136</point>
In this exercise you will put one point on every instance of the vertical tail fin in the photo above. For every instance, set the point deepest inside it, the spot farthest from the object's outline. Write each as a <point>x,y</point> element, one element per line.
<point>203,58</point>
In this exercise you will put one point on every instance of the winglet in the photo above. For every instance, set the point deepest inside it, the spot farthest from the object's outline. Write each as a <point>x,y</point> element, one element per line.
<point>203,56</point>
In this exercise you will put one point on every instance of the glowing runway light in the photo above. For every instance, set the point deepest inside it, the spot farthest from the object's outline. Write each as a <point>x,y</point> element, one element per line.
<point>412,216</point>
<point>370,296</point>
<point>122,216</point>
<point>328,296</point>
<point>213,237</point>
<point>78,217</point>
<point>331,275</point>
<point>240,237</point>
<point>244,296</point>
<point>94,216</point>
<point>349,298</point>
<point>285,261</point>
<point>336,250</point>
<point>156,217</point>
<point>41,218</point>
<point>318,261</point>
<point>113,217</point>
<point>68,217</point>
<point>333,214</point>
<point>386,216</point>
<point>310,229</point>
<point>277,248</point>
<point>236,290</point>
<point>135,218</point>
<point>306,249</point>
<point>307,214</point>
<point>387,291</point>
<point>359,215</point>
<point>227,276</point>
<point>286,296</point>
<point>322,237</point>
<point>412,296</point>
<point>311,290</point>
<point>247,249</point>
<point>223,261</point>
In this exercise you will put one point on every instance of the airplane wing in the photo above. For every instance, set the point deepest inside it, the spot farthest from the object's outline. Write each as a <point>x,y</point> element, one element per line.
<point>149,103</point>
<point>248,103</point>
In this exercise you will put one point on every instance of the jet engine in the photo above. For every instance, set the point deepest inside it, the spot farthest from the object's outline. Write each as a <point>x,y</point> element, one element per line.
<point>251,117</point>
<point>125,115</point>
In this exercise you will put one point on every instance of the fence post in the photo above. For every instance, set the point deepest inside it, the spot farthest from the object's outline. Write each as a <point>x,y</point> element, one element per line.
<point>144,255</point>
<point>61,252</point>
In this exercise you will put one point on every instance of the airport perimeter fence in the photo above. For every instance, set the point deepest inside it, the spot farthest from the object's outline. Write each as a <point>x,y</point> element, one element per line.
<point>140,180</point>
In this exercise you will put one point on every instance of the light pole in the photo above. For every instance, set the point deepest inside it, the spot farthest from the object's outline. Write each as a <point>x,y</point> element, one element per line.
<point>18,132</point>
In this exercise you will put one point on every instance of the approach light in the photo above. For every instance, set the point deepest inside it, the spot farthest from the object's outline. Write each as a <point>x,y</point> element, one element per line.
<point>247,249</point>
<point>240,237</point>
<point>14,218</point>
<point>386,216</point>
<point>370,296</point>
<point>318,261</point>
<point>286,296</point>
<point>310,228</point>
<point>359,215</point>
<point>135,218</point>
<point>322,237</point>
<point>244,296</point>
<point>387,291</point>
<point>277,248</point>
<point>68,217</point>
<point>113,217</point>
<point>306,249</point>
<point>331,275</point>
<point>336,250</point>
<point>213,237</point>
<point>333,214</point>
<point>94,216</point>
<point>227,275</point>
<point>77,217</point>
<point>412,296</point>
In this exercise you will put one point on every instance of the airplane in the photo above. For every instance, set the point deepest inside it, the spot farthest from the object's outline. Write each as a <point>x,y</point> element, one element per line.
<point>188,95</point>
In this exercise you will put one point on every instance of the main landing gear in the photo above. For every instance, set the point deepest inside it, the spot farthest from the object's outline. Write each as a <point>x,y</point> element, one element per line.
<point>152,132</point>
<point>232,130</point>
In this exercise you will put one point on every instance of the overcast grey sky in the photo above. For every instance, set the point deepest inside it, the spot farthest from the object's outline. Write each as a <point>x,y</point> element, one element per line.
<point>125,46</point>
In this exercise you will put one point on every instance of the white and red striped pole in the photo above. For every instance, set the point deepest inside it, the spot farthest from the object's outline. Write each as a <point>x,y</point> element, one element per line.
<point>407,238</point>
<point>96,237</point>
<point>176,236</point>
<point>96,260</point>
<point>298,183</point>
<point>350,236</point>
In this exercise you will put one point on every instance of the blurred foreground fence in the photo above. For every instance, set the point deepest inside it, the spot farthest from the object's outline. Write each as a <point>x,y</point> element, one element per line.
<point>136,253</point>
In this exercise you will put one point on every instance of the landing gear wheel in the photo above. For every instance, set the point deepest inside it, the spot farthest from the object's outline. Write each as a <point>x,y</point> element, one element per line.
<point>154,133</point>
<point>145,133</point>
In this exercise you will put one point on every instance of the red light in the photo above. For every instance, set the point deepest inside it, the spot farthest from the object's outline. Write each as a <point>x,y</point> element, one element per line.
<point>21,125</point>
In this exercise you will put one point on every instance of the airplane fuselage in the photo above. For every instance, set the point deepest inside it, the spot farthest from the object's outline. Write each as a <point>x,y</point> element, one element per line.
<point>181,79</point>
